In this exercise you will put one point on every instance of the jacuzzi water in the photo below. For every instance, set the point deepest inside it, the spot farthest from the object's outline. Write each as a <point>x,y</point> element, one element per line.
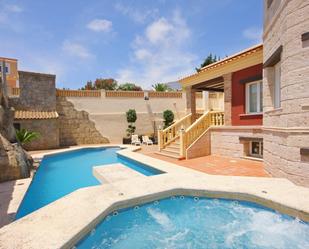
<point>196,223</point>
<point>63,173</point>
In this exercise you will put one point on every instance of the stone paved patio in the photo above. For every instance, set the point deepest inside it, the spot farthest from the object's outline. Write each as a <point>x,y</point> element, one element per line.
<point>214,165</point>
<point>11,195</point>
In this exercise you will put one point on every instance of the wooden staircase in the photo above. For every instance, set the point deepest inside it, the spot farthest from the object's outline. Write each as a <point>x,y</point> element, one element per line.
<point>171,150</point>
<point>177,138</point>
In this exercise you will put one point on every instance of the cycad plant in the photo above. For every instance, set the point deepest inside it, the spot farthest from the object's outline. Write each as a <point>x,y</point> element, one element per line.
<point>23,136</point>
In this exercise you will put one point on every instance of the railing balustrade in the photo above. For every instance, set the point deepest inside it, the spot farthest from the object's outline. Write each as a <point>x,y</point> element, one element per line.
<point>188,132</point>
<point>172,132</point>
<point>192,133</point>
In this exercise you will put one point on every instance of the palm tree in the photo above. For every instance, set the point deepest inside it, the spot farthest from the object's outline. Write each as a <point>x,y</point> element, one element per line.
<point>161,87</point>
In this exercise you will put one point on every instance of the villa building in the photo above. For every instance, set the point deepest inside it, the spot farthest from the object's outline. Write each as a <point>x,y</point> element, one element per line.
<point>11,71</point>
<point>266,94</point>
<point>234,131</point>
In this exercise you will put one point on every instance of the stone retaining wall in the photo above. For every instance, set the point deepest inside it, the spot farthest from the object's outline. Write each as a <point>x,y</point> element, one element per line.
<point>225,140</point>
<point>75,126</point>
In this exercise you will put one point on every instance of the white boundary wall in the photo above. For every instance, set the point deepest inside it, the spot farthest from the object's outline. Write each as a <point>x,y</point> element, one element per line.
<point>108,113</point>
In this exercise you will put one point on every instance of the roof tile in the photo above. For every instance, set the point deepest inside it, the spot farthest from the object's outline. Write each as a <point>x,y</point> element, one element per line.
<point>20,114</point>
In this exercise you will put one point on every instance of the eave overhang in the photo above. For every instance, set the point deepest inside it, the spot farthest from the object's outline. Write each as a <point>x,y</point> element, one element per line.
<point>244,59</point>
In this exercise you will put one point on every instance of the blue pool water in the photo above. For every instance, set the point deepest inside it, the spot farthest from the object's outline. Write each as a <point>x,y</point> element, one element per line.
<point>62,173</point>
<point>196,223</point>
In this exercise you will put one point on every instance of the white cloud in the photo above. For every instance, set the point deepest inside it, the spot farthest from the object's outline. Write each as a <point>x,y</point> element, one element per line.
<point>253,33</point>
<point>160,54</point>
<point>76,49</point>
<point>13,8</point>
<point>142,54</point>
<point>159,30</point>
<point>138,16</point>
<point>7,10</point>
<point>100,25</point>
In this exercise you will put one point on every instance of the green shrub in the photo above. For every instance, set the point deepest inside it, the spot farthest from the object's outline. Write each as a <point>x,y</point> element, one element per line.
<point>131,118</point>
<point>168,117</point>
<point>23,136</point>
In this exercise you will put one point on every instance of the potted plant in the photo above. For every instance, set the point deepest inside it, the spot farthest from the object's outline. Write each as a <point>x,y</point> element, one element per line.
<point>131,118</point>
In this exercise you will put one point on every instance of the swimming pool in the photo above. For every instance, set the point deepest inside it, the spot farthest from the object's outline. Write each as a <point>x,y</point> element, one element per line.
<point>187,222</point>
<point>63,173</point>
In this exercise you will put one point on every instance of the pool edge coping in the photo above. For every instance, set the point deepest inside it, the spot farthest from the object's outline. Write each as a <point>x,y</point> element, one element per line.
<point>233,187</point>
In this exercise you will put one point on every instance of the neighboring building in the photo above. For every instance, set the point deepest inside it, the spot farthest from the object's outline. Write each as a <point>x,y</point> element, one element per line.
<point>11,71</point>
<point>286,89</point>
<point>239,77</point>
<point>35,109</point>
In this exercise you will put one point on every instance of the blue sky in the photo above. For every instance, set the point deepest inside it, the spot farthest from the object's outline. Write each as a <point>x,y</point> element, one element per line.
<point>144,42</point>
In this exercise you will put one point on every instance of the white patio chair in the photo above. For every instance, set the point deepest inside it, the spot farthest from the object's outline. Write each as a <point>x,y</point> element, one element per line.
<point>147,140</point>
<point>135,140</point>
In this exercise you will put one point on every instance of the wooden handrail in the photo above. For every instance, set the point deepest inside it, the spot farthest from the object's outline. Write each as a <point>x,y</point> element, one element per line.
<point>196,129</point>
<point>172,132</point>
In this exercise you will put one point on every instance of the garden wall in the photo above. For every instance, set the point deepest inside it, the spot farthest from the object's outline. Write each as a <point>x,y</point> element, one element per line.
<point>107,109</point>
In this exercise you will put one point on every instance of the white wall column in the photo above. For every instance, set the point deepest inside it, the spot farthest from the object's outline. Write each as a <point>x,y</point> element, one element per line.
<point>205,95</point>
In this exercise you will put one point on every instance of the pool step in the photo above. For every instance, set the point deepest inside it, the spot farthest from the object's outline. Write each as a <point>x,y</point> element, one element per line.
<point>116,172</point>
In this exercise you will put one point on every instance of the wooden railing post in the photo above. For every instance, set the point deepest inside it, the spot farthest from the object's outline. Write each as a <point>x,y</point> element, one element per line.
<point>182,140</point>
<point>160,139</point>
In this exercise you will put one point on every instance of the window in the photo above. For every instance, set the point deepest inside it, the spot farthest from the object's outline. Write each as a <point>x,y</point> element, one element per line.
<point>256,149</point>
<point>254,97</point>
<point>16,126</point>
<point>7,68</point>
<point>277,86</point>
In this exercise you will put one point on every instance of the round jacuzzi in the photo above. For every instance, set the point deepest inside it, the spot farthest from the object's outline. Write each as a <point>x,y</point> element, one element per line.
<point>193,222</point>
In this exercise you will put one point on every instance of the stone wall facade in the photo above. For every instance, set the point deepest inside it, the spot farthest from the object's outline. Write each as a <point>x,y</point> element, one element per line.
<point>48,130</point>
<point>287,128</point>
<point>37,91</point>
<point>75,127</point>
<point>225,140</point>
<point>38,94</point>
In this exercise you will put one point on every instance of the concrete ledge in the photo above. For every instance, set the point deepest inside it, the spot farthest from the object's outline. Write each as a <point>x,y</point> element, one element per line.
<point>116,172</point>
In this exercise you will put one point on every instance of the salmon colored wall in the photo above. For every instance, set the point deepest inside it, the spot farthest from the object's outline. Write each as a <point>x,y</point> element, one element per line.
<point>239,98</point>
<point>12,77</point>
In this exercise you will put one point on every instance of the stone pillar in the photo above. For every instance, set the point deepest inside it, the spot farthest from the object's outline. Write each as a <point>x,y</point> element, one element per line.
<point>227,99</point>
<point>191,102</point>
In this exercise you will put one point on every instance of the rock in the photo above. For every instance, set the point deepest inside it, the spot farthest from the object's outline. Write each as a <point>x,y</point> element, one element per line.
<point>15,162</point>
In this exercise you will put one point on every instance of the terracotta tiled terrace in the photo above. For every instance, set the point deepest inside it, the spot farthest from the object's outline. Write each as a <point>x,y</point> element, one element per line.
<point>214,165</point>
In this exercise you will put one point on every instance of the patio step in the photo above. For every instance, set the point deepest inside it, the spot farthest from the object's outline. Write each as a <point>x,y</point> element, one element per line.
<point>168,154</point>
<point>177,142</point>
<point>172,149</point>
<point>174,146</point>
